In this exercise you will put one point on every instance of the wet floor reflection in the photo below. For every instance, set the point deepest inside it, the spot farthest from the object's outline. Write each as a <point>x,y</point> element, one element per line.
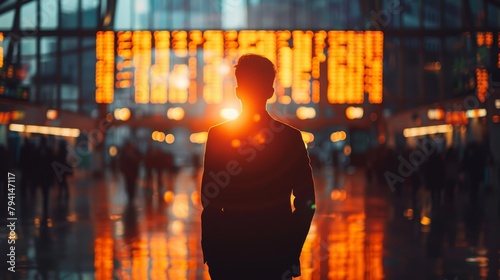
<point>360,231</point>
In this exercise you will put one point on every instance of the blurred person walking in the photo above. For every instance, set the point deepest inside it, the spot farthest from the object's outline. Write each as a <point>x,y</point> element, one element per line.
<point>474,164</point>
<point>452,169</point>
<point>62,158</point>
<point>45,175</point>
<point>435,177</point>
<point>27,166</point>
<point>130,159</point>
<point>149,165</point>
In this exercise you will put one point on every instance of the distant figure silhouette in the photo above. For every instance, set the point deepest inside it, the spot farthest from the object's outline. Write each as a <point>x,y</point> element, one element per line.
<point>45,174</point>
<point>26,159</point>
<point>61,157</point>
<point>251,167</point>
<point>129,165</point>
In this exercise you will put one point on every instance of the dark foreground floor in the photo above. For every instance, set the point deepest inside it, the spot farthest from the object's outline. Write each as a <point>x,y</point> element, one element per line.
<point>360,231</point>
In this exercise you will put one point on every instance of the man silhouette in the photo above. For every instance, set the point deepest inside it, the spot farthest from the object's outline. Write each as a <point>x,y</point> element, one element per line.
<point>252,165</point>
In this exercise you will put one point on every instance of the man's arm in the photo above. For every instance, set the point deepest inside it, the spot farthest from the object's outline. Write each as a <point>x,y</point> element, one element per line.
<point>303,190</point>
<point>210,199</point>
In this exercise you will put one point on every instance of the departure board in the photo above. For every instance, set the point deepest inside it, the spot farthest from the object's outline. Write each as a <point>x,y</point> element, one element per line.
<point>181,66</point>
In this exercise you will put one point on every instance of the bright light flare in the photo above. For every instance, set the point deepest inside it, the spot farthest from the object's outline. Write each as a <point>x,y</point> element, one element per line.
<point>169,138</point>
<point>476,113</point>
<point>168,196</point>
<point>229,113</point>
<point>122,114</point>
<point>338,136</point>
<point>113,151</point>
<point>17,127</point>
<point>304,113</point>
<point>354,113</point>
<point>175,113</point>
<point>435,114</point>
<point>307,137</point>
<point>46,130</point>
<point>51,114</point>
<point>198,137</point>
<point>426,130</point>
<point>425,221</point>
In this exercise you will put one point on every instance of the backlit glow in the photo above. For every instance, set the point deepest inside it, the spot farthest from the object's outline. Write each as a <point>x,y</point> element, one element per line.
<point>229,113</point>
<point>307,137</point>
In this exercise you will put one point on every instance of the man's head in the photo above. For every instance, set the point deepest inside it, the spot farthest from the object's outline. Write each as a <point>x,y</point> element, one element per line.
<point>255,78</point>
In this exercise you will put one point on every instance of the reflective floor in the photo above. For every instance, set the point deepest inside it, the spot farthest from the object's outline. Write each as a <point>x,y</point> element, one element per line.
<point>360,231</point>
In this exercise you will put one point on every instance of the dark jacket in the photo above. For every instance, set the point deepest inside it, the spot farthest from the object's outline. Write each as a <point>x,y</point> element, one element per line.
<point>250,170</point>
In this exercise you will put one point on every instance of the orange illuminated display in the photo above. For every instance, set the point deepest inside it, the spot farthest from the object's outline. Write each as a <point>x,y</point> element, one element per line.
<point>104,74</point>
<point>213,53</point>
<point>188,62</point>
<point>482,83</point>
<point>159,71</point>
<point>124,74</point>
<point>179,43</point>
<point>141,51</point>
<point>498,61</point>
<point>488,39</point>
<point>480,39</point>
<point>1,49</point>
<point>301,77</point>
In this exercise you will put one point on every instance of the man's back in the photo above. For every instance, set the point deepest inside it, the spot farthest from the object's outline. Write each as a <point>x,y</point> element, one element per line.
<point>251,169</point>
<point>252,166</point>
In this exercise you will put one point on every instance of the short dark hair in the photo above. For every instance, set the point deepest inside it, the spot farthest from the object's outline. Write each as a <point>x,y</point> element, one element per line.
<point>255,71</point>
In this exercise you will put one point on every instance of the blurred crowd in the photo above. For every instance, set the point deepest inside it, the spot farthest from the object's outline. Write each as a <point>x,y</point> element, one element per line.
<point>43,164</point>
<point>440,171</point>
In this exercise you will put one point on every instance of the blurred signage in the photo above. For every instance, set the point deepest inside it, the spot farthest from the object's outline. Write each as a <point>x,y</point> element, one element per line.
<point>476,113</point>
<point>456,118</point>
<point>7,117</point>
<point>435,114</point>
<point>180,66</point>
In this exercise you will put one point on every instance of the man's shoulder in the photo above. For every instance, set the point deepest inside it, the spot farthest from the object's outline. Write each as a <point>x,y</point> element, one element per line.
<point>286,129</point>
<point>218,128</point>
